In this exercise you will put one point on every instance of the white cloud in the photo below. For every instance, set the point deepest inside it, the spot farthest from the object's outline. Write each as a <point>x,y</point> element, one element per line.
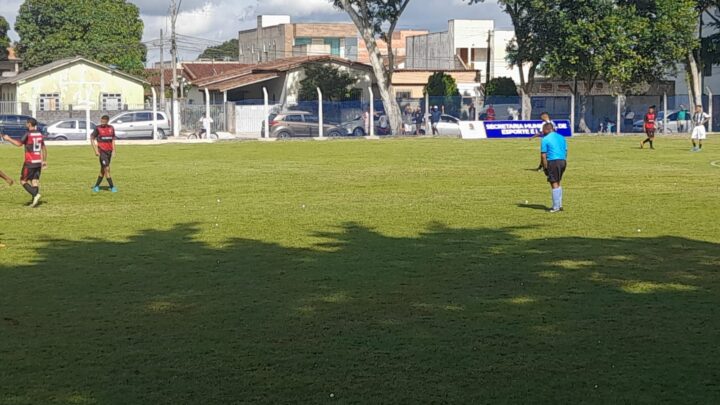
<point>220,20</point>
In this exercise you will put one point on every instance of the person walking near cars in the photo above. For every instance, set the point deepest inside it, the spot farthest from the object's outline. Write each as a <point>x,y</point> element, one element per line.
<point>682,119</point>
<point>472,113</point>
<point>435,119</point>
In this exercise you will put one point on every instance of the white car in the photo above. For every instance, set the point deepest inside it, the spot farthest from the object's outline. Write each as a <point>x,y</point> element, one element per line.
<point>69,130</point>
<point>448,125</point>
<point>139,124</point>
<point>672,123</point>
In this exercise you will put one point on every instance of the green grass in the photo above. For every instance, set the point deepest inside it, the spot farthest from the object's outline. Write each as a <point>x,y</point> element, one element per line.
<point>397,271</point>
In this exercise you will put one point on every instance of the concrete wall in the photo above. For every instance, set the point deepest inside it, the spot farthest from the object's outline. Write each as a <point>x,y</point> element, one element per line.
<point>265,44</point>
<point>80,82</point>
<point>432,51</point>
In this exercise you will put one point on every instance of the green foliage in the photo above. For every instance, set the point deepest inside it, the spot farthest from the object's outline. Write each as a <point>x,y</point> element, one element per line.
<point>334,83</point>
<point>442,89</point>
<point>227,50</point>
<point>378,13</point>
<point>4,40</point>
<point>501,86</point>
<point>106,31</point>
<point>442,85</point>
<point>619,42</point>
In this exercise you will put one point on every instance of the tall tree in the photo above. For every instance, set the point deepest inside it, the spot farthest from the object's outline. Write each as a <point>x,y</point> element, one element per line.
<point>535,33</point>
<point>442,89</point>
<point>334,83</point>
<point>227,50</point>
<point>106,31</point>
<point>617,42</point>
<point>677,24</point>
<point>4,40</point>
<point>501,86</point>
<point>696,57</point>
<point>377,19</point>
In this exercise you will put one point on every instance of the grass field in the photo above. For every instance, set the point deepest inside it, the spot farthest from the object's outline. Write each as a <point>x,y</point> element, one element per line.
<point>396,271</point>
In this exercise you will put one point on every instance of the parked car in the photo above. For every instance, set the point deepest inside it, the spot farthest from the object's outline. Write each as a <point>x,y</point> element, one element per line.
<point>139,124</point>
<point>449,125</point>
<point>69,130</point>
<point>672,124</point>
<point>355,127</point>
<point>14,125</point>
<point>293,124</point>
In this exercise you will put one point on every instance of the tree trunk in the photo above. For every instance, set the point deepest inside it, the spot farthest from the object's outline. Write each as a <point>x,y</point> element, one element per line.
<point>387,93</point>
<point>694,79</point>
<point>526,104</point>
<point>582,126</point>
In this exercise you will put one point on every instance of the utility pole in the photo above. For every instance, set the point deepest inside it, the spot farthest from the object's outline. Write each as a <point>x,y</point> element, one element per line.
<point>162,70</point>
<point>174,10</point>
<point>488,74</point>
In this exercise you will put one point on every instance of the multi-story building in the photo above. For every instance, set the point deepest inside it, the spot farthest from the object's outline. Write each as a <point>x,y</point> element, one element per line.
<point>276,37</point>
<point>467,44</point>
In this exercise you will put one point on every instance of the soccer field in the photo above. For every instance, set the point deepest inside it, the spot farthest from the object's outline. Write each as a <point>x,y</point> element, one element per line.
<point>395,271</point>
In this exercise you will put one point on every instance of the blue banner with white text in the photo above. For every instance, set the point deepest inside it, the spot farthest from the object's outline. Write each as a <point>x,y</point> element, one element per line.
<point>523,129</point>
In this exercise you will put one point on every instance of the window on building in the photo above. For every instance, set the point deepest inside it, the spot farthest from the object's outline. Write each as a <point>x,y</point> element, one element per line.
<point>303,41</point>
<point>50,102</point>
<point>547,87</point>
<point>111,102</point>
<point>403,95</point>
<point>334,45</point>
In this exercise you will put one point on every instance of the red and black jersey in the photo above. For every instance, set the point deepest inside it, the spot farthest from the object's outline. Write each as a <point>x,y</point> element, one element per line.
<point>104,135</point>
<point>34,143</point>
<point>650,120</point>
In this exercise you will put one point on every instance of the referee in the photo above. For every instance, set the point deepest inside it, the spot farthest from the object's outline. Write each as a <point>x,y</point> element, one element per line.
<point>553,153</point>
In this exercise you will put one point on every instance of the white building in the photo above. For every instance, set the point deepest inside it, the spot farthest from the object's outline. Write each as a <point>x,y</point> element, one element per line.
<point>467,44</point>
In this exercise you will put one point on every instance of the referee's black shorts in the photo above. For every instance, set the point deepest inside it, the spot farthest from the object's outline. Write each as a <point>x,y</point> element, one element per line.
<point>555,170</point>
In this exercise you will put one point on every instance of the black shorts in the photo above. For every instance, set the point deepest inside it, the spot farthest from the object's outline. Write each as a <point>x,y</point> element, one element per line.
<point>650,132</point>
<point>30,173</point>
<point>555,170</point>
<point>105,158</point>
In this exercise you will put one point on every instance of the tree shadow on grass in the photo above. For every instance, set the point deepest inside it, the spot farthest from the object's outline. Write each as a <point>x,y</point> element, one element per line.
<point>453,315</point>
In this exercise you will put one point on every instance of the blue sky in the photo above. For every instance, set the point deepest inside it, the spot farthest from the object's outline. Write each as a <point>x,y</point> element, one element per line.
<point>219,20</point>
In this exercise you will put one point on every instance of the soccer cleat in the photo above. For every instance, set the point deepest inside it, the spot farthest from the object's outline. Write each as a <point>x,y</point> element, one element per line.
<point>114,190</point>
<point>35,201</point>
<point>96,189</point>
<point>555,210</point>
<point>642,145</point>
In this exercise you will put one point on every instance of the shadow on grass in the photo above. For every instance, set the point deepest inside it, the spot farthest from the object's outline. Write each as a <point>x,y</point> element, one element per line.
<point>538,207</point>
<point>453,315</point>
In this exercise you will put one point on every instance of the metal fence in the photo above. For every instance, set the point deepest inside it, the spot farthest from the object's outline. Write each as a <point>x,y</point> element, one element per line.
<point>191,116</point>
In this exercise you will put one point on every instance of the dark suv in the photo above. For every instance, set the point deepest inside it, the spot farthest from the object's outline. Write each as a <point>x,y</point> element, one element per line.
<point>292,124</point>
<point>14,125</point>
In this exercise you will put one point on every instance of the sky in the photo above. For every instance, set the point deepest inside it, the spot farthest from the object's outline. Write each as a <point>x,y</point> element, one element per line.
<point>209,22</point>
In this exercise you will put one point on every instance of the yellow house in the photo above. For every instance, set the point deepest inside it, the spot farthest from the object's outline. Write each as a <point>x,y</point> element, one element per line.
<point>74,83</point>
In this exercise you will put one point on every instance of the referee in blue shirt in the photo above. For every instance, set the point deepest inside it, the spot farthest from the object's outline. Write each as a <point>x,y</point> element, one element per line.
<point>553,152</point>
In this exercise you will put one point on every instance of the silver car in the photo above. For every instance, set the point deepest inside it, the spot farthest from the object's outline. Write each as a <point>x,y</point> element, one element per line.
<point>139,124</point>
<point>69,130</point>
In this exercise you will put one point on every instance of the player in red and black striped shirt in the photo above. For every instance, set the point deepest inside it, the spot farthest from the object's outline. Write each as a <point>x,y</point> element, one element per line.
<point>35,159</point>
<point>650,125</point>
<point>103,143</point>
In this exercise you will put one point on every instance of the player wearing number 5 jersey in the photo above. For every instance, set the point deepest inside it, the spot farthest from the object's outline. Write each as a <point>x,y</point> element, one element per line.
<point>103,143</point>
<point>35,159</point>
